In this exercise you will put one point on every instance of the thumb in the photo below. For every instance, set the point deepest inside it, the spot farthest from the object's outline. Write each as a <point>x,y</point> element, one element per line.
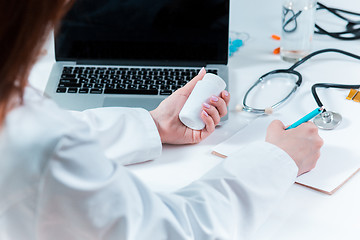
<point>187,89</point>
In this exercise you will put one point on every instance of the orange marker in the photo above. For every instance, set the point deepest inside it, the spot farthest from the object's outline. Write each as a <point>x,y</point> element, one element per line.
<point>276,51</point>
<point>352,94</point>
<point>356,98</point>
<point>275,37</point>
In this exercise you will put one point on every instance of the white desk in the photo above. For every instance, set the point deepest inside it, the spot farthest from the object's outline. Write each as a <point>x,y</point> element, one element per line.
<point>303,213</point>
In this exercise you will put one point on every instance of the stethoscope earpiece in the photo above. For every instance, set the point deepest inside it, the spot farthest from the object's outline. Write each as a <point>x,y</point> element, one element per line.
<point>239,108</point>
<point>269,110</point>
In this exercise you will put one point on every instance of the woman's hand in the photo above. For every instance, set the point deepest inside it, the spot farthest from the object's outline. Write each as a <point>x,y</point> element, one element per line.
<point>166,115</point>
<point>302,143</point>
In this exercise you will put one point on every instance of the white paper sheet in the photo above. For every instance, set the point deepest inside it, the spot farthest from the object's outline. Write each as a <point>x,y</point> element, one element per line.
<point>338,161</point>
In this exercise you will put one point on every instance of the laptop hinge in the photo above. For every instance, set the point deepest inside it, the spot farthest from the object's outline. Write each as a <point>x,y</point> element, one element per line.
<point>143,63</point>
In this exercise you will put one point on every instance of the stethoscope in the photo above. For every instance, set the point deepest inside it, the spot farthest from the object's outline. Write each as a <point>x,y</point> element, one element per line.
<point>290,23</point>
<point>352,31</point>
<point>352,27</point>
<point>325,120</point>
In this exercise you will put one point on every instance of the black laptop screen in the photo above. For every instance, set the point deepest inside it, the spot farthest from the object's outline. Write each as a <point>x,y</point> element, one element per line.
<point>162,31</point>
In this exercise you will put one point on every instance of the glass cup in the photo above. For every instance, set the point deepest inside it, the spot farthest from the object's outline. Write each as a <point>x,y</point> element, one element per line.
<point>298,21</point>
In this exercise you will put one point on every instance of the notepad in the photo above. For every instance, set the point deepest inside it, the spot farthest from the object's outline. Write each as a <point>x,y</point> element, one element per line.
<point>337,164</point>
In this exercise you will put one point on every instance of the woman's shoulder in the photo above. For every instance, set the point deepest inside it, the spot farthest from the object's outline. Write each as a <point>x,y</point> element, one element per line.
<point>37,123</point>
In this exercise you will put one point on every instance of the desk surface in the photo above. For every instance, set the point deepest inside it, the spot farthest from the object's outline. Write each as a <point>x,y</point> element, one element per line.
<point>303,213</point>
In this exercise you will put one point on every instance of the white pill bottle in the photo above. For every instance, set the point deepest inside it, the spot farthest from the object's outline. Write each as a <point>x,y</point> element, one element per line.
<point>190,114</point>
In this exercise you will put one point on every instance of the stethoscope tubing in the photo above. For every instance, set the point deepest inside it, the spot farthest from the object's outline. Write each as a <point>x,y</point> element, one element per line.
<point>350,24</point>
<point>298,82</point>
<point>336,10</point>
<point>293,19</point>
<point>344,35</point>
<point>261,79</point>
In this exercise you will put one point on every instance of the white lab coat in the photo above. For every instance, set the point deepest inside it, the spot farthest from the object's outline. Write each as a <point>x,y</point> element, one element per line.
<point>62,177</point>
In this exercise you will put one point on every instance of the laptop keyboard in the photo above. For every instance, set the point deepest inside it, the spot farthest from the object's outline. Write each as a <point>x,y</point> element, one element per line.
<point>123,80</point>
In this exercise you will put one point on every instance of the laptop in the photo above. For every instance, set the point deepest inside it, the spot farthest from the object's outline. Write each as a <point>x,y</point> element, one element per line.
<point>135,53</point>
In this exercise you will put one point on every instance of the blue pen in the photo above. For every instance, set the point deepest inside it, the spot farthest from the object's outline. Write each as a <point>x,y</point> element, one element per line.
<point>306,118</point>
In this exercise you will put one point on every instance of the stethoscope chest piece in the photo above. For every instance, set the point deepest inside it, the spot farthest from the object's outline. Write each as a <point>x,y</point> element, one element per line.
<point>327,120</point>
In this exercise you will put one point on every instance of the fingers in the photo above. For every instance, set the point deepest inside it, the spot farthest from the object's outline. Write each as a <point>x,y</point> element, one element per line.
<point>312,131</point>
<point>302,143</point>
<point>309,126</point>
<point>207,130</point>
<point>220,104</point>
<point>217,107</point>
<point>212,112</point>
<point>274,131</point>
<point>276,125</point>
<point>226,96</point>
<point>209,124</point>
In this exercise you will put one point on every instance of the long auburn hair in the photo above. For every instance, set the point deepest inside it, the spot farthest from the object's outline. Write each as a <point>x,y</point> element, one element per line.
<point>25,26</point>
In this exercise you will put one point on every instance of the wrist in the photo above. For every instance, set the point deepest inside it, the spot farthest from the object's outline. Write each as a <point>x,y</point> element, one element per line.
<point>157,124</point>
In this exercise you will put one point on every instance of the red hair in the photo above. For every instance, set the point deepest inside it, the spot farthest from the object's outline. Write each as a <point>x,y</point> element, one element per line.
<point>25,26</point>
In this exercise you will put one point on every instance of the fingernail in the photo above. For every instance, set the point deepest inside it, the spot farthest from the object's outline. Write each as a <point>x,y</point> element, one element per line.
<point>226,93</point>
<point>201,71</point>
<point>205,113</point>
<point>206,105</point>
<point>214,98</point>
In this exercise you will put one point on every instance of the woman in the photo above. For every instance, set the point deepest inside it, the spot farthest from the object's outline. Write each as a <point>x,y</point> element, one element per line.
<point>62,175</point>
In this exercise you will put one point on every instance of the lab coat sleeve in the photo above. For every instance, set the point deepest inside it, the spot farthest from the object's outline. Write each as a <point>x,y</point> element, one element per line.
<point>130,129</point>
<point>237,196</point>
<point>90,197</point>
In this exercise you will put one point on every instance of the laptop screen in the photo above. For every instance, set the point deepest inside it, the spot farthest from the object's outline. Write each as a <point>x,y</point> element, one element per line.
<point>143,31</point>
